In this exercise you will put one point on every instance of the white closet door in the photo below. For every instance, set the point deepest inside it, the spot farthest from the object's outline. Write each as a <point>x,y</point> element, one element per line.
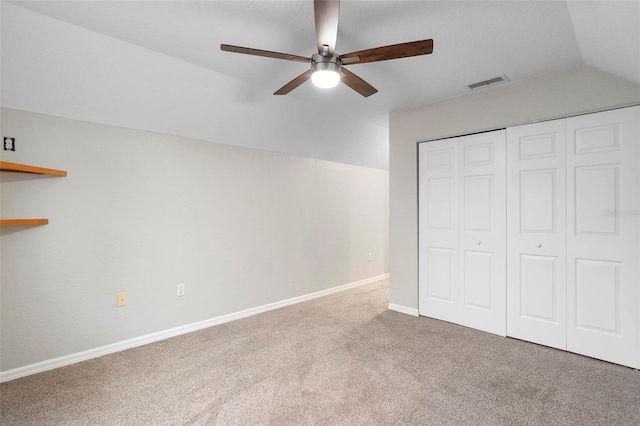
<point>536,242</point>
<point>602,246</point>
<point>438,230</point>
<point>482,250</point>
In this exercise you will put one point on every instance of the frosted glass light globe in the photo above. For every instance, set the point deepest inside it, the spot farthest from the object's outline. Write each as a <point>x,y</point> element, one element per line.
<point>325,78</point>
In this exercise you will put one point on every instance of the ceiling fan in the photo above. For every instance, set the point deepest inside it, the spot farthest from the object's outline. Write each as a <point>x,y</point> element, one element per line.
<point>327,67</point>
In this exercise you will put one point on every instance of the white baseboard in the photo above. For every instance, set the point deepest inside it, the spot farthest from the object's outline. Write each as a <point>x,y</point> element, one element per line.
<point>403,309</point>
<point>50,364</point>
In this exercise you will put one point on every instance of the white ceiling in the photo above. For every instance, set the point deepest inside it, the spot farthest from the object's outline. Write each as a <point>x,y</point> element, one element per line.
<point>473,41</point>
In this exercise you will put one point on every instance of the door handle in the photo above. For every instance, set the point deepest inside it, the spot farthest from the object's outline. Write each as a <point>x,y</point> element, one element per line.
<point>538,245</point>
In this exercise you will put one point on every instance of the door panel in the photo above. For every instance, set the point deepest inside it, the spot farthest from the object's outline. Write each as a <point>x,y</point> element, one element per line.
<point>478,192</point>
<point>483,232</point>
<point>596,191</point>
<point>597,138</point>
<point>440,274</point>
<point>438,230</point>
<point>538,145</point>
<point>480,154</point>
<point>536,241</point>
<point>598,295</point>
<point>538,287</point>
<point>477,282</point>
<point>537,195</point>
<point>440,195</point>
<point>602,245</point>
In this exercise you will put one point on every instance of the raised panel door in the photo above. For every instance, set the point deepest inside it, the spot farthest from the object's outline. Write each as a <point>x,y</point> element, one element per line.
<point>438,230</point>
<point>536,241</point>
<point>603,235</point>
<point>482,256</point>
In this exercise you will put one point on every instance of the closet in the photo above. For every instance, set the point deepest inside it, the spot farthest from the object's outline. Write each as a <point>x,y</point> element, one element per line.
<point>541,241</point>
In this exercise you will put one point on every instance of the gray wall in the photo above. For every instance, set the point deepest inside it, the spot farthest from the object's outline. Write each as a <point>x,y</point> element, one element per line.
<point>568,92</point>
<point>141,212</point>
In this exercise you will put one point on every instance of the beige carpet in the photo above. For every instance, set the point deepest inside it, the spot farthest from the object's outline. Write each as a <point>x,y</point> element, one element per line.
<point>339,360</point>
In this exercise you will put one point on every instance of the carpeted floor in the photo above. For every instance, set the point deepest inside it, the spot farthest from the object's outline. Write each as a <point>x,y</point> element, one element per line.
<point>339,360</point>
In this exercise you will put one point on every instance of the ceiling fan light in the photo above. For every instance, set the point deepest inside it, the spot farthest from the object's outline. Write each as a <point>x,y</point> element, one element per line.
<point>325,70</point>
<point>325,78</point>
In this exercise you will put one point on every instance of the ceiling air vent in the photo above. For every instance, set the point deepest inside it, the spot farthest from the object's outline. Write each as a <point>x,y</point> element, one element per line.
<point>503,78</point>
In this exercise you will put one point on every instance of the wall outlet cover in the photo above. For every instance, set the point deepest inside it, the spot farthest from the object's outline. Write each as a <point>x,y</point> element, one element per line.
<point>122,299</point>
<point>9,144</point>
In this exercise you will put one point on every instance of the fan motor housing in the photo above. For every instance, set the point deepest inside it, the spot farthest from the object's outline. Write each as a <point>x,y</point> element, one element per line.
<point>328,63</point>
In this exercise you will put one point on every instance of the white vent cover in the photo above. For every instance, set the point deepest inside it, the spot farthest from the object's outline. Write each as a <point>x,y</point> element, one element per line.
<point>503,78</point>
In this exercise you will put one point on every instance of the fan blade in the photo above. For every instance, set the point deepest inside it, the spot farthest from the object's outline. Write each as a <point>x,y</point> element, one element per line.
<point>294,83</point>
<point>326,14</point>
<point>357,84</point>
<point>394,51</point>
<point>265,53</point>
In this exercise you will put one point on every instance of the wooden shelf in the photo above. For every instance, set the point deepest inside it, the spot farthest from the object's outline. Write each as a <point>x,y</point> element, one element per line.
<point>23,168</point>
<point>23,222</point>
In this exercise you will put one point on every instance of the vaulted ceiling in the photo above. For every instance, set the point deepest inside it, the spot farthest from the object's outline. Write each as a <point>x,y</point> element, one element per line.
<point>473,41</point>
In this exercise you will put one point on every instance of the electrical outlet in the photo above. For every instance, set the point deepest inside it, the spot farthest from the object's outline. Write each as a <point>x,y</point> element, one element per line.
<point>122,299</point>
<point>180,291</point>
<point>9,144</point>
<point>370,257</point>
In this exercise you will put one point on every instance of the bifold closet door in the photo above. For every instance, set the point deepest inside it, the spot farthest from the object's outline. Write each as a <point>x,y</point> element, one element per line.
<point>602,246</point>
<point>482,218</point>
<point>438,230</point>
<point>462,241</point>
<point>536,227</point>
